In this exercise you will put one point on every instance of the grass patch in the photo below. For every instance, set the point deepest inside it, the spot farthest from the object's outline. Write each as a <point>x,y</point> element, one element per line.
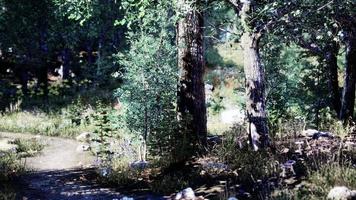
<point>319,183</point>
<point>53,124</point>
<point>9,168</point>
<point>26,148</point>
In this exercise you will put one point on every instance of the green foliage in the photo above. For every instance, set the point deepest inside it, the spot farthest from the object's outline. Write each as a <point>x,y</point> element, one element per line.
<point>37,122</point>
<point>149,90</point>
<point>78,10</point>
<point>28,147</point>
<point>216,105</point>
<point>236,153</point>
<point>8,167</point>
<point>104,133</point>
<point>169,184</point>
<point>297,85</point>
<point>319,183</point>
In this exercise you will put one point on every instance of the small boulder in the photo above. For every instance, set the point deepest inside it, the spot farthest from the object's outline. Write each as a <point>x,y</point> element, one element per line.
<point>288,168</point>
<point>310,132</point>
<point>82,148</point>
<point>105,171</point>
<point>341,193</point>
<point>139,165</point>
<point>127,198</point>
<point>83,137</point>
<point>315,134</point>
<point>178,196</point>
<point>187,194</point>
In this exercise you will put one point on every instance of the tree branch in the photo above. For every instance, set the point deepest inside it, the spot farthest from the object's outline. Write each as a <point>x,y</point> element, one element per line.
<point>313,48</point>
<point>281,13</point>
<point>235,4</point>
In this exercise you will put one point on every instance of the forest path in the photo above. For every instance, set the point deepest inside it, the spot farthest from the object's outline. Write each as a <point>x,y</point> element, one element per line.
<point>62,172</point>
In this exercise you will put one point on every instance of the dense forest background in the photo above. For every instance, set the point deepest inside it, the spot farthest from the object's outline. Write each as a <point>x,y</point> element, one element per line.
<point>161,83</point>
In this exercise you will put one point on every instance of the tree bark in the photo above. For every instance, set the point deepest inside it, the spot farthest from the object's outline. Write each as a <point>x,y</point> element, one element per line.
<point>255,84</point>
<point>191,92</point>
<point>348,94</point>
<point>65,64</point>
<point>333,82</point>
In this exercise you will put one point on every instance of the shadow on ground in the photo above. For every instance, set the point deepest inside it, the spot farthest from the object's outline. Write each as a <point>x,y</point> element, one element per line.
<point>73,184</point>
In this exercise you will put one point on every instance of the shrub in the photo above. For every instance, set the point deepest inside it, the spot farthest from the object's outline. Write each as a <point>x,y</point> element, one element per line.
<point>319,183</point>
<point>28,147</point>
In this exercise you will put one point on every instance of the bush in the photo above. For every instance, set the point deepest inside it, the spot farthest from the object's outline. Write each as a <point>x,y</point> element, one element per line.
<point>319,183</point>
<point>251,166</point>
<point>38,122</point>
<point>28,147</point>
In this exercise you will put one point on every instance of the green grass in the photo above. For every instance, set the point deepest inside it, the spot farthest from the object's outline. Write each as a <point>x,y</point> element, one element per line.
<point>319,183</point>
<point>28,147</point>
<point>41,123</point>
<point>10,167</point>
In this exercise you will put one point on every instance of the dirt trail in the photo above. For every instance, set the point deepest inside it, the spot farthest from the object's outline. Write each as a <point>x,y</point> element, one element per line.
<point>62,172</point>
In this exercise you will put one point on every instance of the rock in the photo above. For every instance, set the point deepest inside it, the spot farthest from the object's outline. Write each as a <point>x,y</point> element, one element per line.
<point>309,132</point>
<point>178,196</point>
<point>105,171</point>
<point>127,198</point>
<point>288,168</point>
<point>7,145</point>
<point>95,147</point>
<point>215,166</point>
<point>214,140</point>
<point>139,165</point>
<point>82,148</point>
<point>83,137</point>
<point>315,134</point>
<point>188,193</point>
<point>341,193</point>
<point>285,151</point>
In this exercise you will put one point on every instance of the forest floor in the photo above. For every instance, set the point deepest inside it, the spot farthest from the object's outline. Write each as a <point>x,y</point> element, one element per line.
<point>61,172</point>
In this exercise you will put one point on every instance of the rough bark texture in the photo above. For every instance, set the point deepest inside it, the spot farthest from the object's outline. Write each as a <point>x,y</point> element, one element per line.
<point>191,93</point>
<point>348,94</point>
<point>333,82</point>
<point>65,63</point>
<point>255,85</point>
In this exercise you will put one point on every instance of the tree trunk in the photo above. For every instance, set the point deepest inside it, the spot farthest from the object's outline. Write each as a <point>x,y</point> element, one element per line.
<point>65,64</point>
<point>348,94</point>
<point>333,82</point>
<point>23,75</point>
<point>191,92</point>
<point>255,85</point>
<point>43,71</point>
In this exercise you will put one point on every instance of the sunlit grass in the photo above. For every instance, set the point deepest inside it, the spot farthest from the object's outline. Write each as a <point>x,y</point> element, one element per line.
<point>319,183</point>
<point>41,123</point>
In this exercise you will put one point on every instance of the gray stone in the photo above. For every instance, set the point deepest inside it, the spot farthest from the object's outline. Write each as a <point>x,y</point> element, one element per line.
<point>139,165</point>
<point>82,148</point>
<point>315,134</point>
<point>83,137</point>
<point>188,193</point>
<point>178,196</point>
<point>341,193</point>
